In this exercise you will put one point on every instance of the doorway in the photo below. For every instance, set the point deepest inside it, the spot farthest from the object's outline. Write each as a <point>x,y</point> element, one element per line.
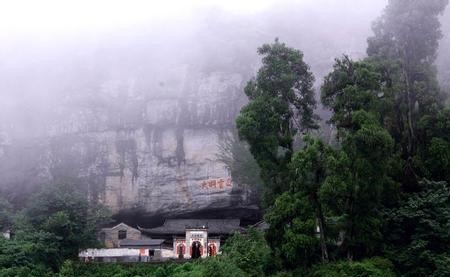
<point>212,250</point>
<point>196,250</point>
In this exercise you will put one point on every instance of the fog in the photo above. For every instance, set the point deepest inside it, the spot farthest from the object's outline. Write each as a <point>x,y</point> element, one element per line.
<point>92,67</point>
<point>58,57</point>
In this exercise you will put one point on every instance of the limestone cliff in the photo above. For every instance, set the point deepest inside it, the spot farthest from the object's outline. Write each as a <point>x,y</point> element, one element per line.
<point>151,150</point>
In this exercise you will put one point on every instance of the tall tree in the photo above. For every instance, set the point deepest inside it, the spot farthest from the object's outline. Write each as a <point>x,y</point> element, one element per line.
<point>408,34</point>
<point>281,103</point>
<point>358,179</point>
<point>397,82</point>
<point>309,169</point>
<point>297,219</point>
<point>293,230</point>
<point>352,86</point>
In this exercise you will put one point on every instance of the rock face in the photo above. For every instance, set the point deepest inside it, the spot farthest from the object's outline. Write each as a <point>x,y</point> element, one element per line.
<point>147,152</point>
<point>135,115</point>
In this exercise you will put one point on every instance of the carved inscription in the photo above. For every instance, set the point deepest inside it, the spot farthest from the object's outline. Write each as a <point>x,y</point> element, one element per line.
<point>220,183</point>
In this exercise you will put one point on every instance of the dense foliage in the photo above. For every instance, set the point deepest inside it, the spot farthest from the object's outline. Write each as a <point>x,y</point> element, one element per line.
<point>281,104</point>
<point>418,233</point>
<point>374,203</point>
<point>51,228</point>
<point>381,189</point>
<point>244,255</point>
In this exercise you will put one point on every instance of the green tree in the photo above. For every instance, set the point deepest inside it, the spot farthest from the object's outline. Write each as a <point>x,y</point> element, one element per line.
<point>417,233</point>
<point>353,192</point>
<point>281,103</point>
<point>220,267</point>
<point>433,158</point>
<point>292,234</point>
<point>408,35</point>
<point>350,87</point>
<point>397,82</point>
<point>29,250</point>
<point>64,212</point>
<point>249,252</point>
<point>309,170</point>
<point>297,220</point>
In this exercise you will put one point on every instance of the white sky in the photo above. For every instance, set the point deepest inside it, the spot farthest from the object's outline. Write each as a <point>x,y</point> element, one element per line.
<point>24,18</point>
<point>50,17</point>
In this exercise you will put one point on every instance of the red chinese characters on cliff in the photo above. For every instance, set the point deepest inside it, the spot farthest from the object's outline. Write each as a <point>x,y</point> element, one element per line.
<point>220,183</point>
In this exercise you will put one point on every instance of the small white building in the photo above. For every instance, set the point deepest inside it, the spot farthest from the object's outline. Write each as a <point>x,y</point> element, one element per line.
<point>119,255</point>
<point>193,244</point>
<point>123,243</point>
<point>144,250</point>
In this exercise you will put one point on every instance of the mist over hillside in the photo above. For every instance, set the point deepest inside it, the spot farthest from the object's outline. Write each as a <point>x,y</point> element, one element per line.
<point>241,138</point>
<point>63,76</point>
<point>94,100</point>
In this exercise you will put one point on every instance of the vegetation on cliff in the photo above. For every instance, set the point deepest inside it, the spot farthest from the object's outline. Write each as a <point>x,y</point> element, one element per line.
<point>375,202</point>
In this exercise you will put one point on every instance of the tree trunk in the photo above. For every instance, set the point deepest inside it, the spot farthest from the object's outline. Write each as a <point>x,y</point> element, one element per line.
<point>410,97</point>
<point>321,222</point>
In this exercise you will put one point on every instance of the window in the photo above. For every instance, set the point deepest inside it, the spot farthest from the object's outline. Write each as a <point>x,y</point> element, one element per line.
<point>122,234</point>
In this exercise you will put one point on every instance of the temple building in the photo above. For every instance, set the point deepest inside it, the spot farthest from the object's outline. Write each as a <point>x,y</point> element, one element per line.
<point>124,244</point>
<point>195,238</point>
<point>112,237</point>
<point>175,239</point>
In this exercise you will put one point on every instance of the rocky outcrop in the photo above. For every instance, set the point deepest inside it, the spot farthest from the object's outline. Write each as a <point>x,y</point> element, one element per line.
<point>150,152</point>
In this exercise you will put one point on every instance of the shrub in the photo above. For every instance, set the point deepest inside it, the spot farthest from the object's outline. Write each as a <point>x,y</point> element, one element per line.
<point>375,267</point>
<point>221,267</point>
<point>249,252</point>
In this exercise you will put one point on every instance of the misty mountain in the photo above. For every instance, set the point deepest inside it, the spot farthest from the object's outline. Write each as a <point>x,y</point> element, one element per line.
<point>136,111</point>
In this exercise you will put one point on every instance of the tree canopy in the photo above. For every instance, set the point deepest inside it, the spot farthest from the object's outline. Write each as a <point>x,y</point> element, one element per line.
<point>281,104</point>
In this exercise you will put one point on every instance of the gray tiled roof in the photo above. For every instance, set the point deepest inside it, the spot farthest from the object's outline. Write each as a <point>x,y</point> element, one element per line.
<point>120,226</point>
<point>141,242</point>
<point>178,226</point>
